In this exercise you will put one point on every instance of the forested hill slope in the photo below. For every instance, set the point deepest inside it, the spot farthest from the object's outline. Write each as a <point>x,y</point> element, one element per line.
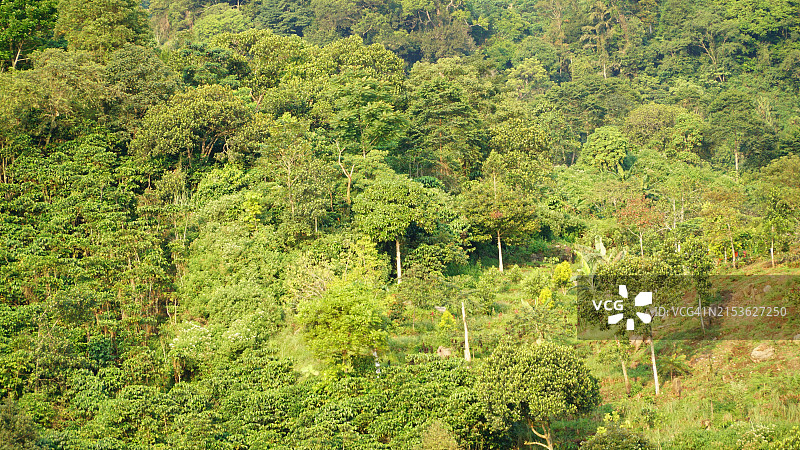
<point>216,219</point>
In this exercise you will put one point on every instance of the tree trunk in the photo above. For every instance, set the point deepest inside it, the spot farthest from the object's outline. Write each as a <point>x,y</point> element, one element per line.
<point>772,247</point>
<point>397,251</point>
<point>499,251</point>
<point>625,375</point>
<point>641,246</point>
<point>467,354</point>
<point>674,215</point>
<point>624,372</point>
<point>349,183</point>
<point>702,322</point>
<point>546,434</point>
<point>733,250</point>
<point>347,175</point>
<point>655,368</point>
<point>16,58</point>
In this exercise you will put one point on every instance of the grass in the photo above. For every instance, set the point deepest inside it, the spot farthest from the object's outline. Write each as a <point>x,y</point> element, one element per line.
<point>289,344</point>
<point>724,396</point>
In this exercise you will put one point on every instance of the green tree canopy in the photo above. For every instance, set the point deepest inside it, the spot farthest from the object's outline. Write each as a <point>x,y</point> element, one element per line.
<point>199,119</point>
<point>99,26</point>
<point>536,383</point>
<point>389,206</point>
<point>347,321</point>
<point>605,149</point>
<point>25,26</point>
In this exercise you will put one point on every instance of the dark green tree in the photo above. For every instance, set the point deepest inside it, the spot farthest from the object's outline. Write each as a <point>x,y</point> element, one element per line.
<point>25,26</point>
<point>389,206</point>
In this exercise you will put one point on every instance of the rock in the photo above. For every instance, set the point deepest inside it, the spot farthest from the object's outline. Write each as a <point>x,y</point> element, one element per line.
<point>763,352</point>
<point>444,352</point>
<point>796,337</point>
<point>441,309</point>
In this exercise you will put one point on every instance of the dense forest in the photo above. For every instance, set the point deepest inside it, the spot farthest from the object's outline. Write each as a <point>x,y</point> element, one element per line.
<point>271,223</point>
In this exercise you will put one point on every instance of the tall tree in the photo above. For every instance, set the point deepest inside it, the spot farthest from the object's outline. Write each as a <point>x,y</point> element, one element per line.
<point>496,208</point>
<point>199,119</point>
<point>389,206</point>
<point>99,26</point>
<point>780,200</point>
<point>139,80</point>
<point>599,33</point>
<point>25,26</point>
<point>639,215</point>
<point>536,383</point>
<point>347,321</point>
<point>605,149</point>
<point>732,114</point>
<point>64,89</point>
<point>449,139</point>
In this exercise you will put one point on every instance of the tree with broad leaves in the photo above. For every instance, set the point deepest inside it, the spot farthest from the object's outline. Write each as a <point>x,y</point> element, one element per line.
<point>197,119</point>
<point>25,25</point>
<point>605,149</point>
<point>99,26</point>
<point>389,206</point>
<point>496,208</point>
<point>535,383</point>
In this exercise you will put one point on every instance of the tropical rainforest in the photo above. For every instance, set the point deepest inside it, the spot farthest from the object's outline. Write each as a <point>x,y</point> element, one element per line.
<point>357,224</point>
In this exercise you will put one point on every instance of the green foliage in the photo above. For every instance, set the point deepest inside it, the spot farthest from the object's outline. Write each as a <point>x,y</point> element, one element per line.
<point>605,149</point>
<point>282,16</point>
<point>534,284</point>
<point>17,430</point>
<point>486,290</point>
<point>535,383</point>
<point>62,92</point>
<point>233,271</point>
<point>26,26</point>
<point>347,321</point>
<point>616,436</point>
<point>180,215</point>
<point>449,140</point>
<point>196,121</point>
<point>669,129</point>
<point>218,19</point>
<point>515,274</point>
<point>140,79</point>
<point>390,205</point>
<point>790,442</point>
<point>438,437</point>
<point>562,276</point>
<point>199,64</point>
<point>447,323</point>
<point>100,26</point>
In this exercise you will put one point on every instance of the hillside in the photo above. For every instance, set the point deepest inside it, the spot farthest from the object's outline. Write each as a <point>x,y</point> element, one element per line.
<point>267,224</point>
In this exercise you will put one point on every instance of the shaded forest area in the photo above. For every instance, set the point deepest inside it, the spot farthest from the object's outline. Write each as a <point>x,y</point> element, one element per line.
<point>217,219</point>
